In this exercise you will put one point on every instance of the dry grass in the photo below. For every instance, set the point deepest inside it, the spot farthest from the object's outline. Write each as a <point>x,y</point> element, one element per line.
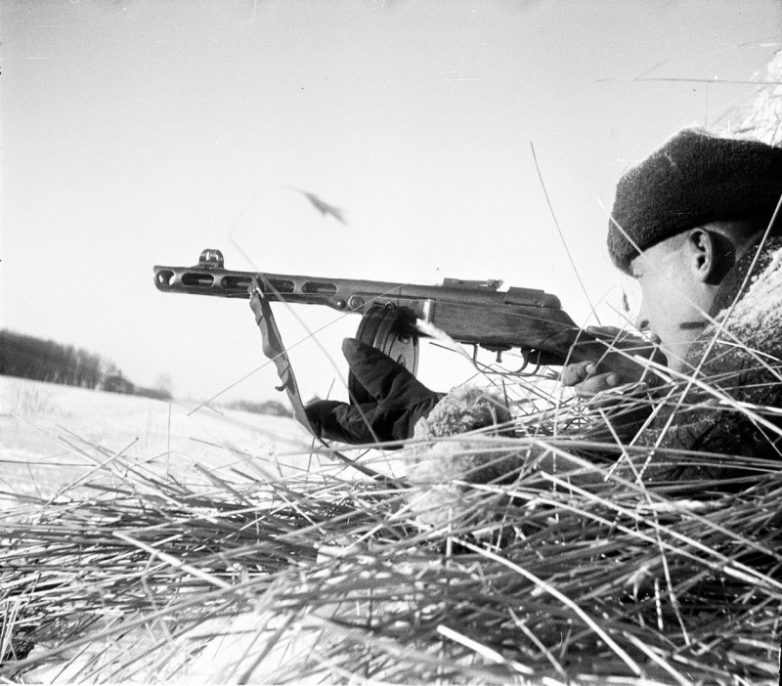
<point>525,578</point>
<point>762,118</point>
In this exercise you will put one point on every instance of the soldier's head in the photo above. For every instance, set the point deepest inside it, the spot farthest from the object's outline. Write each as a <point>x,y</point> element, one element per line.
<point>681,220</point>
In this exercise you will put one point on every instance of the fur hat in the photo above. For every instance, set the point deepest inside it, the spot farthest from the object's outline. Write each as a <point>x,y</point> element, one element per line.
<point>694,179</point>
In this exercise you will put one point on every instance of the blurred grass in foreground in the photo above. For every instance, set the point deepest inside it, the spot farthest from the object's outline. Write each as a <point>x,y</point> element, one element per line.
<point>255,577</point>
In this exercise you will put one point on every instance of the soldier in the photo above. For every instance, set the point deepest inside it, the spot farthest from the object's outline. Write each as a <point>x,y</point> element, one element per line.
<point>696,224</point>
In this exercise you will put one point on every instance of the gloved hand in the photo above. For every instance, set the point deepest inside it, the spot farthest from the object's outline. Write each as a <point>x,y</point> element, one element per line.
<point>399,400</point>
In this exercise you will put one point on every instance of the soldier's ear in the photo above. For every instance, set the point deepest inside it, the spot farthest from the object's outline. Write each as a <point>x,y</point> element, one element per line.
<point>711,255</point>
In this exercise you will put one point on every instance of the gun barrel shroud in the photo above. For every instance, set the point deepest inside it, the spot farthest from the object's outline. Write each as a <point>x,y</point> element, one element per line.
<point>472,312</point>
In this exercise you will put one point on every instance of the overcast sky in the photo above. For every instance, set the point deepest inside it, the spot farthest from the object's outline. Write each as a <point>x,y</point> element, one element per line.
<point>139,133</point>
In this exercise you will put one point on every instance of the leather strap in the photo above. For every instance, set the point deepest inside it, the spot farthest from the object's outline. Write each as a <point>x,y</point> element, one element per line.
<point>274,349</point>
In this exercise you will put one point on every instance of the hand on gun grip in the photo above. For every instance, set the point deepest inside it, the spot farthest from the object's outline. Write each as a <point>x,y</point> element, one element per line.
<point>613,370</point>
<point>399,400</point>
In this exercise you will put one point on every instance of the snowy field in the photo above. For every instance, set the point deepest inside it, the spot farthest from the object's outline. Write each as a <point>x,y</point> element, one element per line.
<point>53,435</point>
<point>54,438</point>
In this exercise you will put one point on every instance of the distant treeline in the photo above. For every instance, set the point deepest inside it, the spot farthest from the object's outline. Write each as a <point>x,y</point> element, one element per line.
<point>41,360</point>
<point>44,360</point>
<point>267,407</point>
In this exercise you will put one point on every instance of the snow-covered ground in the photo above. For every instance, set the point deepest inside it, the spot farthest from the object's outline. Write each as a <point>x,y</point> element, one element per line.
<point>51,435</point>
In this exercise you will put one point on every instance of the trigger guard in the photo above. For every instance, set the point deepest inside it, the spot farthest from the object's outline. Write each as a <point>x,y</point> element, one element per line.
<point>386,329</point>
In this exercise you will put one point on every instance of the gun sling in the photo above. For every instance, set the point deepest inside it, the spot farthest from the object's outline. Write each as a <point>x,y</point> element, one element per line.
<point>274,349</point>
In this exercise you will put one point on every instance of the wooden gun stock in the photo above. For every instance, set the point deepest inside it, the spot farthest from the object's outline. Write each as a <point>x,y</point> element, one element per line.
<point>471,312</point>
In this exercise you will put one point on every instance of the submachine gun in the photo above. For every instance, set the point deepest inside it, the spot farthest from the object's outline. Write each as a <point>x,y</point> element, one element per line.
<point>470,312</point>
